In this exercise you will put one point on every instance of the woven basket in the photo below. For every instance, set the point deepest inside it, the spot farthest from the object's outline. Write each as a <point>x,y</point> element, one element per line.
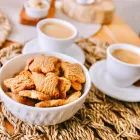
<point>100,118</point>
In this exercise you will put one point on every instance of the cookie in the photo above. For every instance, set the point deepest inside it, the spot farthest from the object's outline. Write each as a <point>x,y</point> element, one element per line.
<point>64,85</point>
<point>20,82</point>
<point>73,72</point>
<point>34,94</point>
<point>57,69</point>
<point>56,93</point>
<point>28,63</point>
<point>46,84</point>
<point>8,82</point>
<point>50,103</point>
<point>20,99</point>
<point>74,96</point>
<point>16,74</point>
<point>25,73</point>
<point>44,64</point>
<point>77,86</point>
<point>64,65</point>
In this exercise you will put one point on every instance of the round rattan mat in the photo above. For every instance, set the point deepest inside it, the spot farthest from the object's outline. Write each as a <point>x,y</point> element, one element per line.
<point>101,117</point>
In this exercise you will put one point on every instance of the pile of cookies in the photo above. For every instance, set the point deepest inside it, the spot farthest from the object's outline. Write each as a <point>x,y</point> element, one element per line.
<point>46,81</point>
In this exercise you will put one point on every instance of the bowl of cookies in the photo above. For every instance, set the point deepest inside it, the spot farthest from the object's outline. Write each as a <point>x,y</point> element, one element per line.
<point>44,88</point>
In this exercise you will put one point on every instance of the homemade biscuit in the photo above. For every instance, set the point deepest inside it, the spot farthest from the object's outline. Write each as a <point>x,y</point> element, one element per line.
<point>57,69</point>
<point>34,94</point>
<point>64,65</point>
<point>8,82</point>
<point>20,99</point>
<point>73,72</point>
<point>77,86</point>
<point>50,103</point>
<point>20,82</point>
<point>64,85</point>
<point>56,93</point>
<point>25,73</point>
<point>16,74</point>
<point>44,64</point>
<point>29,61</point>
<point>46,84</point>
<point>73,97</point>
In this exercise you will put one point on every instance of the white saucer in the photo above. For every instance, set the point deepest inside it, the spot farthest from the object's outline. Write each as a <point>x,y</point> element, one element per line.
<point>74,51</point>
<point>99,77</point>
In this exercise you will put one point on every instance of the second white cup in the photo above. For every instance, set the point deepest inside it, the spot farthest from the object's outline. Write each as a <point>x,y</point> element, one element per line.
<point>51,44</point>
<point>119,73</point>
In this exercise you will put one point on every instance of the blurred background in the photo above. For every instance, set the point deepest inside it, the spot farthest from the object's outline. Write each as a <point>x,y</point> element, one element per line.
<point>129,11</point>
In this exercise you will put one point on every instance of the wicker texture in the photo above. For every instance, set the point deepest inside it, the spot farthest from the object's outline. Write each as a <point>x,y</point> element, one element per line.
<point>101,117</point>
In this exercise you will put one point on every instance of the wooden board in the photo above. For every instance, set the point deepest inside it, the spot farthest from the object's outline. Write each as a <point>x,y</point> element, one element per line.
<point>26,20</point>
<point>118,32</point>
<point>98,12</point>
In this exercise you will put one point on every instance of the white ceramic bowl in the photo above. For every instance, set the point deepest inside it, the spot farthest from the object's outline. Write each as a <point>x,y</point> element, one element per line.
<point>33,115</point>
<point>36,12</point>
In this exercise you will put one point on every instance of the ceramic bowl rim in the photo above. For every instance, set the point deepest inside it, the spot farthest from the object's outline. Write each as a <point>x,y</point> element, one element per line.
<point>50,108</point>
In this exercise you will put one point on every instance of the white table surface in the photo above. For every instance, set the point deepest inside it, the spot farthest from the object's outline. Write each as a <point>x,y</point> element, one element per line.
<point>22,33</point>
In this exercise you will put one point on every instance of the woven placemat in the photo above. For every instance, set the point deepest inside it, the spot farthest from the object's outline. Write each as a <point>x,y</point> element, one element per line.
<point>101,117</point>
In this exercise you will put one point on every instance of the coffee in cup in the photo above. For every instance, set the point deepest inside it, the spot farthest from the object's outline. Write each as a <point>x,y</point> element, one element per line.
<point>57,30</point>
<point>126,56</point>
<point>119,73</point>
<point>55,35</point>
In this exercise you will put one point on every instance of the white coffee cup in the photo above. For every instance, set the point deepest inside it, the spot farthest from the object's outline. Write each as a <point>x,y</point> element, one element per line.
<point>120,73</point>
<point>51,44</point>
<point>36,12</point>
<point>85,1</point>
